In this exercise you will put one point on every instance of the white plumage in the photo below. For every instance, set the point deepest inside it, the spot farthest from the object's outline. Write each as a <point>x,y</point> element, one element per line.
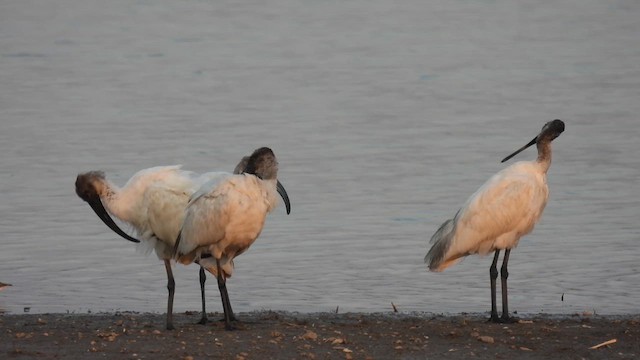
<point>165,202</point>
<point>213,223</point>
<point>153,203</point>
<point>225,217</point>
<point>498,214</point>
<point>504,209</point>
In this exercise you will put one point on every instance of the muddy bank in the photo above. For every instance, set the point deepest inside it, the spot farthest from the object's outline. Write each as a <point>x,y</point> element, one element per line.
<point>278,335</point>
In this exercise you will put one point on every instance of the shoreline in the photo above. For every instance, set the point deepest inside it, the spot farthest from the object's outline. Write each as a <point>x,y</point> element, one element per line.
<point>286,335</point>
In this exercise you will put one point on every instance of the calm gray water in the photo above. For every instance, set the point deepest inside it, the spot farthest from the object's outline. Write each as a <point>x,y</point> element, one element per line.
<point>385,117</point>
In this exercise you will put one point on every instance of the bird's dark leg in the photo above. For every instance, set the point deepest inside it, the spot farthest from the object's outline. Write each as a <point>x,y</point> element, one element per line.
<point>504,274</point>
<point>171,285</point>
<point>493,274</point>
<point>231,315</point>
<point>229,309</point>
<point>226,304</point>
<point>203,278</point>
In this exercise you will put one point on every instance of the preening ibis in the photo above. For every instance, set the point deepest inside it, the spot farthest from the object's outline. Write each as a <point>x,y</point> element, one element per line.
<point>153,203</point>
<point>496,216</point>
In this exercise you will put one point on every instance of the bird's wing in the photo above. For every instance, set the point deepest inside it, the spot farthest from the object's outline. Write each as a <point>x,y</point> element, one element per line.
<point>138,185</point>
<point>234,206</point>
<point>509,203</point>
<point>165,210</point>
<point>206,215</point>
<point>207,183</point>
<point>145,177</point>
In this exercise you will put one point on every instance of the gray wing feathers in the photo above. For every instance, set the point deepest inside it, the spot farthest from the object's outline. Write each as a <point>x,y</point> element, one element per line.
<point>441,241</point>
<point>208,186</point>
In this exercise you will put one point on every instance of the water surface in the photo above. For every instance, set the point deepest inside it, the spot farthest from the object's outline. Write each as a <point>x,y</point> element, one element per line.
<point>385,117</point>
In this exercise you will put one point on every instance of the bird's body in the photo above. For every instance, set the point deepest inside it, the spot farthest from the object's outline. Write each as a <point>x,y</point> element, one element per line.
<point>497,215</point>
<point>165,202</point>
<point>225,217</point>
<point>153,203</point>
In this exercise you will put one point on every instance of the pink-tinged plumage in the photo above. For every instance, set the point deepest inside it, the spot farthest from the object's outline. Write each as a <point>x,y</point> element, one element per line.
<point>152,202</point>
<point>504,209</point>
<point>225,217</point>
<point>498,214</point>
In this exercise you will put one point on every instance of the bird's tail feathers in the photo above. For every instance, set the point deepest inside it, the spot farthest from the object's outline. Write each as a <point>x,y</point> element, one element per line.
<point>147,245</point>
<point>441,241</point>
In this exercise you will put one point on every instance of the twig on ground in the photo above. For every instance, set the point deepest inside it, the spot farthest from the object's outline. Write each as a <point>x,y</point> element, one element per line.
<point>608,342</point>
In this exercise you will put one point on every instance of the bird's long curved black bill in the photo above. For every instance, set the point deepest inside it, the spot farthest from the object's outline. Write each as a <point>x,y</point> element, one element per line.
<point>97,206</point>
<point>284,195</point>
<point>520,150</point>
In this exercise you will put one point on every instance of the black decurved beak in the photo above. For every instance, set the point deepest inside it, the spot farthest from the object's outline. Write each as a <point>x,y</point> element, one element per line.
<point>102,213</point>
<point>284,195</point>
<point>520,150</point>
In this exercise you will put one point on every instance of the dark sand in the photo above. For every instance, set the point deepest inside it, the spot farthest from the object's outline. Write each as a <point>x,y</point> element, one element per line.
<point>276,335</point>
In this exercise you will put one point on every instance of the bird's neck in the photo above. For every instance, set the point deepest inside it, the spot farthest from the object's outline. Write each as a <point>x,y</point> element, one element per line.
<point>115,200</point>
<point>544,155</point>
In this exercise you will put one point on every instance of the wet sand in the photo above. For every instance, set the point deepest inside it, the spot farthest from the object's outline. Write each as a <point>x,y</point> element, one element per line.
<point>281,335</point>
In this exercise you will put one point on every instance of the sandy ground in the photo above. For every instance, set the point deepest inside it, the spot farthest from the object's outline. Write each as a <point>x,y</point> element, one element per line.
<point>278,335</point>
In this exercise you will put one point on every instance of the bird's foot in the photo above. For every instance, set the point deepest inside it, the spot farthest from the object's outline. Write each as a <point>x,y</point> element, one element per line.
<point>494,318</point>
<point>506,319</point>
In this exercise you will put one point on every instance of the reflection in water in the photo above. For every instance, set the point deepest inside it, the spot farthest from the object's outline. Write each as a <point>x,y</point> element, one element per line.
<point>4,285</point>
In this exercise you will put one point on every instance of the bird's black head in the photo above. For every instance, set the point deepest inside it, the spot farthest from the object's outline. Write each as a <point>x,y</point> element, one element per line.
<point>263,164</point>
<point>241,165</point>
<point>551,130</point>
<point>85,185</point>
<point>89,187</point>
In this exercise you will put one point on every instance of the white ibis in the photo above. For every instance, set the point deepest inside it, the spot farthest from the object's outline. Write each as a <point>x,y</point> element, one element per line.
<point>496,216</point>
<point>153,203</point>
<point>225,217</point>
